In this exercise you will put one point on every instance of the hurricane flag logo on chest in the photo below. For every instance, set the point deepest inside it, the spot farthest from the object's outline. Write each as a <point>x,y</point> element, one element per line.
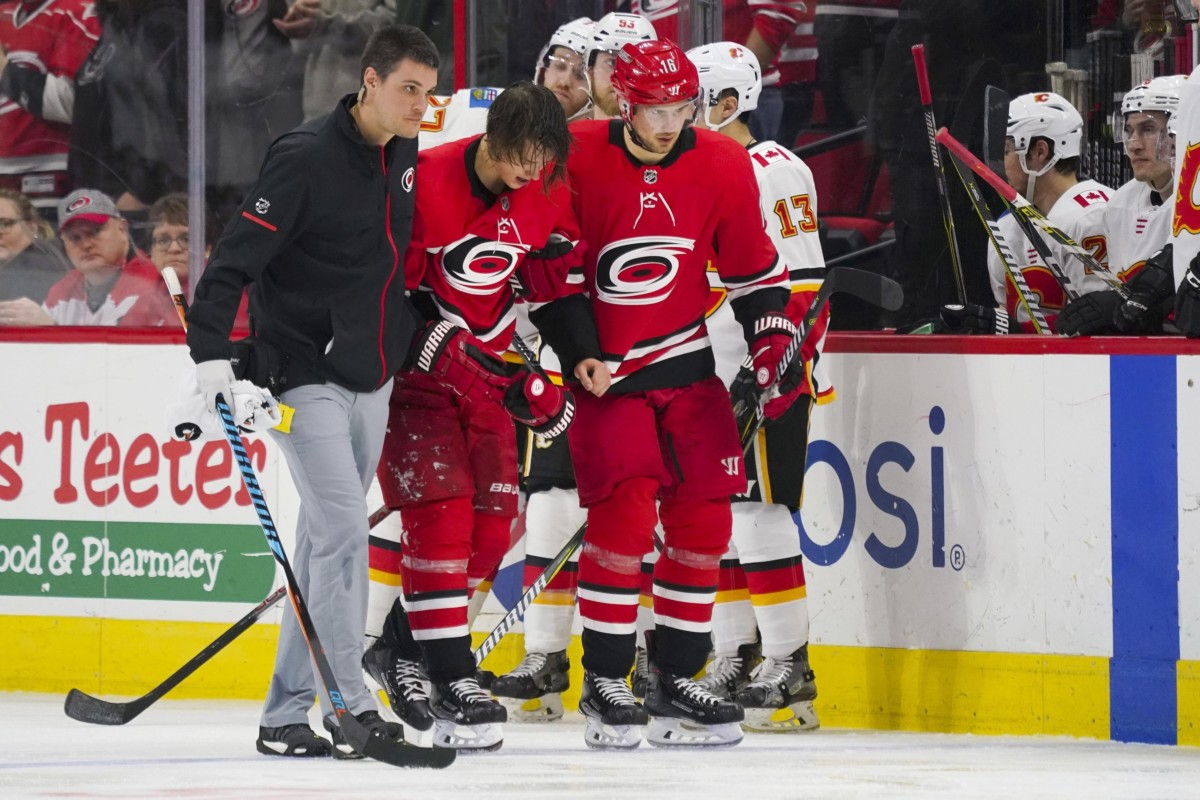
<point>475,265</point>
<point>641,270</point>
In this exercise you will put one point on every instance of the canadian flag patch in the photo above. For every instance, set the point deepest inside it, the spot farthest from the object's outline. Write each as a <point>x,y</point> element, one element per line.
<point>1092,197</point>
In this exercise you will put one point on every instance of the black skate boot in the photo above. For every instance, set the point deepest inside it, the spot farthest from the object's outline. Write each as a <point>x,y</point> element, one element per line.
<point>685,714</point>
<point>468,719</point>
<point>641,673</point>
<point>296,740</point>
<point>403,681</point>
<point>533,691</point>
<point>726,675</point>
<point>614,717</point>
<point>780,695</point>
<point>372,722</point>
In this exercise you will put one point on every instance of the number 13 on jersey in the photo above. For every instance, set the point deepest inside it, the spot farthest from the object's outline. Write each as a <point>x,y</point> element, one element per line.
<point>805,220</point>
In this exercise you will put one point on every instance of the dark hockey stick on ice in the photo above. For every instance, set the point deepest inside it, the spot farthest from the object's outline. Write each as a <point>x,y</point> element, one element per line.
<point>939,173</point>
<point>866,286</point>
<point>87,708</point>
<point>1033,224</point>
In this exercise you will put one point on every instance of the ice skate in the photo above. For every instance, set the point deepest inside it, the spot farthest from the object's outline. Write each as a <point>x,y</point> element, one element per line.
<point>641,673</point>
<point>614,717</point>
<point>533,691</point>
<point>726,675</point>
<point>467,718</point>
<point>296,740</point>
<point>780,695</point>
<point>372,722</point>
<point>685,714</point>
<point>404,683</point>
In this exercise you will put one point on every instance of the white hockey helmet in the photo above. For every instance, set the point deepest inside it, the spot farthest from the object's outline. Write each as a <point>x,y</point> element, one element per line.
<point>614,31</point>
<point>1045,115</point>
<point>575,35</point>
<point>726,65</point>
<point>1156,94</point>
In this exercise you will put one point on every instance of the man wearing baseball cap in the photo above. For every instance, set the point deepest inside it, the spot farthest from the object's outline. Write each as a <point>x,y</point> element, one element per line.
<point>111,284</point>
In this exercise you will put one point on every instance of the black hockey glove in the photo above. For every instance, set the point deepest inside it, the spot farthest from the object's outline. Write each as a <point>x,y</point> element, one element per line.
<point>542,274</point>
<point>744,394</point>
<point>1143,311</point>
<point>1089,314</point>
<point>1187,301</point>
<point>972,318</point>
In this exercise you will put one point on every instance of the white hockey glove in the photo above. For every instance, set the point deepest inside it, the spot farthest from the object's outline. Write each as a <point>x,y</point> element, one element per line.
<point>213,378</point>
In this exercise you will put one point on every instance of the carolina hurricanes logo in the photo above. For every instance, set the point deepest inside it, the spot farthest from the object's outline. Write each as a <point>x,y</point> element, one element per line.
<point>641,270</point>
<point>1187,210</point>
<point>82,202</point>
<point>407,179</point>
<point>241,8</point>
<point>474,265</point>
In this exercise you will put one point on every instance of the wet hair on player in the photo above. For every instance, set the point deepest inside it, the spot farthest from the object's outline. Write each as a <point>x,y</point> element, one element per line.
<point>526,120</point>
<point>391,44</point>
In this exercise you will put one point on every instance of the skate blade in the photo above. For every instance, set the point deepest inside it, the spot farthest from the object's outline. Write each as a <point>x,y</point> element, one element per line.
<point>599,736</point>
<point>548,708</point>
<point>484,738</point>
<point>668,732</point>
<point>798,717</point>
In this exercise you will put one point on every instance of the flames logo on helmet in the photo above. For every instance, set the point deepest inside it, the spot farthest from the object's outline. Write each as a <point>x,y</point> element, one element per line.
<point>641,270</point>
<point>475,265</point>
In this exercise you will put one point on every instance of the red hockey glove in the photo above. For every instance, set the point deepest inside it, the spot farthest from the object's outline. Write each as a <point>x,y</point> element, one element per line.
<point>542,274</point>
<point>773,333</point>
<point>455,358</point>
<point>545,408</point>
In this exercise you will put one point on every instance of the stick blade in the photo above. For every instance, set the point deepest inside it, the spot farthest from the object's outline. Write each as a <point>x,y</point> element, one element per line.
<point>995,127</point>
<point>83,707</point>
<point>867,286</point>
<point>398,754</point>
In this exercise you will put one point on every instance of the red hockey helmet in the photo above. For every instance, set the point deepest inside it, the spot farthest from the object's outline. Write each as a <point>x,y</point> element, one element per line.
<point>654,73</point>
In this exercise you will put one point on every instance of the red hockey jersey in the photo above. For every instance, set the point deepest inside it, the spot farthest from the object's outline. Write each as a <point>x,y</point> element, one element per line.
<point>52,37</point>
<point>467,243</point>
<point>651,231</point>
<point>138,298</point>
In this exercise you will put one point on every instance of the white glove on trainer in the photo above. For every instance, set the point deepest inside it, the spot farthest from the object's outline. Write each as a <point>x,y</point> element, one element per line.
<point>213,378</point>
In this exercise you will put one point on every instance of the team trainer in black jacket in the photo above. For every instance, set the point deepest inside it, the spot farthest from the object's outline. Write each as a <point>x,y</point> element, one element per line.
<point>321,240</point>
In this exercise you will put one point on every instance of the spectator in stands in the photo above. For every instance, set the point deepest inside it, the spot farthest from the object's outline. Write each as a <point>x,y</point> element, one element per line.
<point>111,283</point>
<point>30,261</point>
<point>252,91</point>
<point>132,92</point>
<point>171,242</point>
<point>42,44</point>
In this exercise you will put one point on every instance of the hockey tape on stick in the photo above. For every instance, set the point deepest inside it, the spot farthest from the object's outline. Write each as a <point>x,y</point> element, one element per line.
<point>517,612</point>
<point>84,707</point>
<point>866,286</point>
<point>939,174</point>
<point>1034,224</point>
<point>1024,294</point>
<point>370,743</point>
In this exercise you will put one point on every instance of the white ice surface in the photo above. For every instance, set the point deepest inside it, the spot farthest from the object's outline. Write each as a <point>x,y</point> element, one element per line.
<point>206,750</point>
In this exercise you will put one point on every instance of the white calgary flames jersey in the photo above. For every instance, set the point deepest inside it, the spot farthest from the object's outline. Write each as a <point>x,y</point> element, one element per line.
<point>1079,212</point>
<point>1185,223</point>
<point>788,199</point>
<point>457,116</point>
<point>1136,228</point>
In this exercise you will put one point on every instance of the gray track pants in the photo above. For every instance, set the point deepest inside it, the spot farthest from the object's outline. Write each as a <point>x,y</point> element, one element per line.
<point>332,452</point>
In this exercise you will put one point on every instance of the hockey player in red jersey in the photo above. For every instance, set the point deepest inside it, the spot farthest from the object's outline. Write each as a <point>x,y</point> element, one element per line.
<point>489,230</point>
<point>664,432</point>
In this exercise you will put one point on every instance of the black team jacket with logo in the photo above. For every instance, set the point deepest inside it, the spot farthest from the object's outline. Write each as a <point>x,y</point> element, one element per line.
<point>321,239</point>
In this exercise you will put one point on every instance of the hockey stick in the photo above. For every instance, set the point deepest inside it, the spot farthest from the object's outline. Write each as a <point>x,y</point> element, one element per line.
<point>84,707</point>
<point>1034,225</point>
<point>370,743</point>
<point>517,612</point>
<point>939,174</point>
<point>995,117</point>
<point>866,286</point>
